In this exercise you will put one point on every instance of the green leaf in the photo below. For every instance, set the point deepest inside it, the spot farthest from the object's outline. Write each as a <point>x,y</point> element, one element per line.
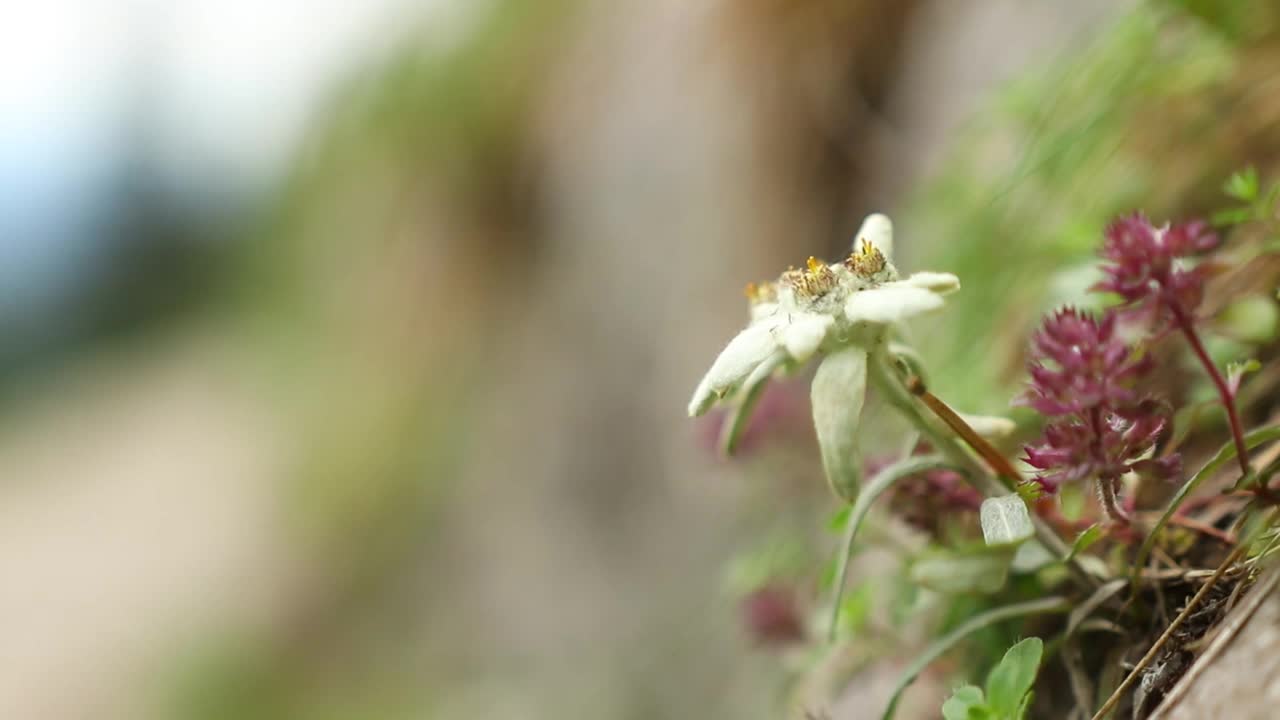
<point>839,519</point>
<point>1054,604</point>
<point>1010,680</point>
<point>1029,491</point>
<point>1005,520</point>
<point>1236,371</point>
<point>1025,706</point>
<point>1242,185</point>
<point>956,573</point>
<point>965,703</point>
<point>1225,455</point>
<point>1085,539</point>
<point>1231,216</point>
<point>882,481</point>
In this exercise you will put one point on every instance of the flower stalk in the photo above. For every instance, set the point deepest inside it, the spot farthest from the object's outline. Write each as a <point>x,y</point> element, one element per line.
<point>1150,268</point>
<point>892,386</point>
<point>1187,327</point>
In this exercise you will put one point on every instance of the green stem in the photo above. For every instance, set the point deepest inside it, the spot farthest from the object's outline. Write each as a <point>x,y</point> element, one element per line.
<point>881,374</point>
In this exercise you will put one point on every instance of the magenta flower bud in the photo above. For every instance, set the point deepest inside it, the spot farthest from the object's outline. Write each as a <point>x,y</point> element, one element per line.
<point>1151,269</point>
<point>1148,266</point>
<point>1079,363</point>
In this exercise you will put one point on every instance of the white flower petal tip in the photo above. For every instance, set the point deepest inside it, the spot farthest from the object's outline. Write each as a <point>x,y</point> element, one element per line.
<point>941,283</point>
<point>736,362</point>
<point>990,426</point>
<point>878,230</point>
<point>703,398</point>
<point>890,303</point>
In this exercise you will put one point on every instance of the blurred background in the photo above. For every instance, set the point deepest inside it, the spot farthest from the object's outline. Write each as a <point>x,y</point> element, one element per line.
<point>344,347</point>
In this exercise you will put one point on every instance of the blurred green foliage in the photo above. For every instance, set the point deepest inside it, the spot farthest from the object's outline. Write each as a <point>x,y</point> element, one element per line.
<point>1137,121</point>
<point>375,364</point>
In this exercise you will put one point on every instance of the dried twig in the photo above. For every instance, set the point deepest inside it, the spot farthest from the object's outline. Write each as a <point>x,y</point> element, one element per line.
<point>1222,637</point>
<point>1160,642</point>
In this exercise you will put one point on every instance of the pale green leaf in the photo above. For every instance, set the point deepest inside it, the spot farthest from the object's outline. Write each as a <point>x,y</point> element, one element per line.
<point>1031,557</point>
<point>955,573</point>
<point>965,703</point>
<point>838,391</point>
<point>1005,520</point>
<point>1085,540</point>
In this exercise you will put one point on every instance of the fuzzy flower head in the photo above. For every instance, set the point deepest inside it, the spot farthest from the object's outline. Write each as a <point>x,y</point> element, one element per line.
<point>840,309</point>
<point>1082,379</point>
<point>1078,363</point>
<point>1151,268</point>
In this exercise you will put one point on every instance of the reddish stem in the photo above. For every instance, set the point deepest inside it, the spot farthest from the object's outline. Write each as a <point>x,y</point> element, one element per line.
<point>1204,528</point>
<point>1228,400</point>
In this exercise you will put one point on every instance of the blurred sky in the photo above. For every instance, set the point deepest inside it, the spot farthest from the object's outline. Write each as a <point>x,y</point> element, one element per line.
<point>211,97</point>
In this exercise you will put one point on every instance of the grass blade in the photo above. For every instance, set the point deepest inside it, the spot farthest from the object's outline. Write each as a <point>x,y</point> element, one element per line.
<point>882,481</point>
<point>1225,455</point>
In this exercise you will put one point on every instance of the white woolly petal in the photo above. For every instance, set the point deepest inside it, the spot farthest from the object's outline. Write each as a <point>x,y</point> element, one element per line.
<point>739,358</point>
<point>802,336</point>
<point>990,426</point>
<point>890,303</point>
<point>839,388</point>
<point>941,283</point>
<point>760,311</point>
<point>877,229</point>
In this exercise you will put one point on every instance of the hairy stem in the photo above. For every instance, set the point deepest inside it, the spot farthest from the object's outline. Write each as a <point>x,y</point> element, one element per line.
<point>1107,495</point>
<point>1107,485</point>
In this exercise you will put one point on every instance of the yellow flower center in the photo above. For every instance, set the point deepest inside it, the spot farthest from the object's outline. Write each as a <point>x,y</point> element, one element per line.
<point>866,261</point>
<point>765,292</point>
<point>815,280</point>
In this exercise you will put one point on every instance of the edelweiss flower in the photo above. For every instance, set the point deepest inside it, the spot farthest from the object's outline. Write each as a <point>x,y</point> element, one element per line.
<point>841,310</point>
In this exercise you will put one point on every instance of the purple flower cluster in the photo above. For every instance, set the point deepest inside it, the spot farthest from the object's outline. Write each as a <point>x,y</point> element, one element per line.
<point>925,499</point>
<point>1148,266</point>
<point>772,616</point>
<point>1082,378</point>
